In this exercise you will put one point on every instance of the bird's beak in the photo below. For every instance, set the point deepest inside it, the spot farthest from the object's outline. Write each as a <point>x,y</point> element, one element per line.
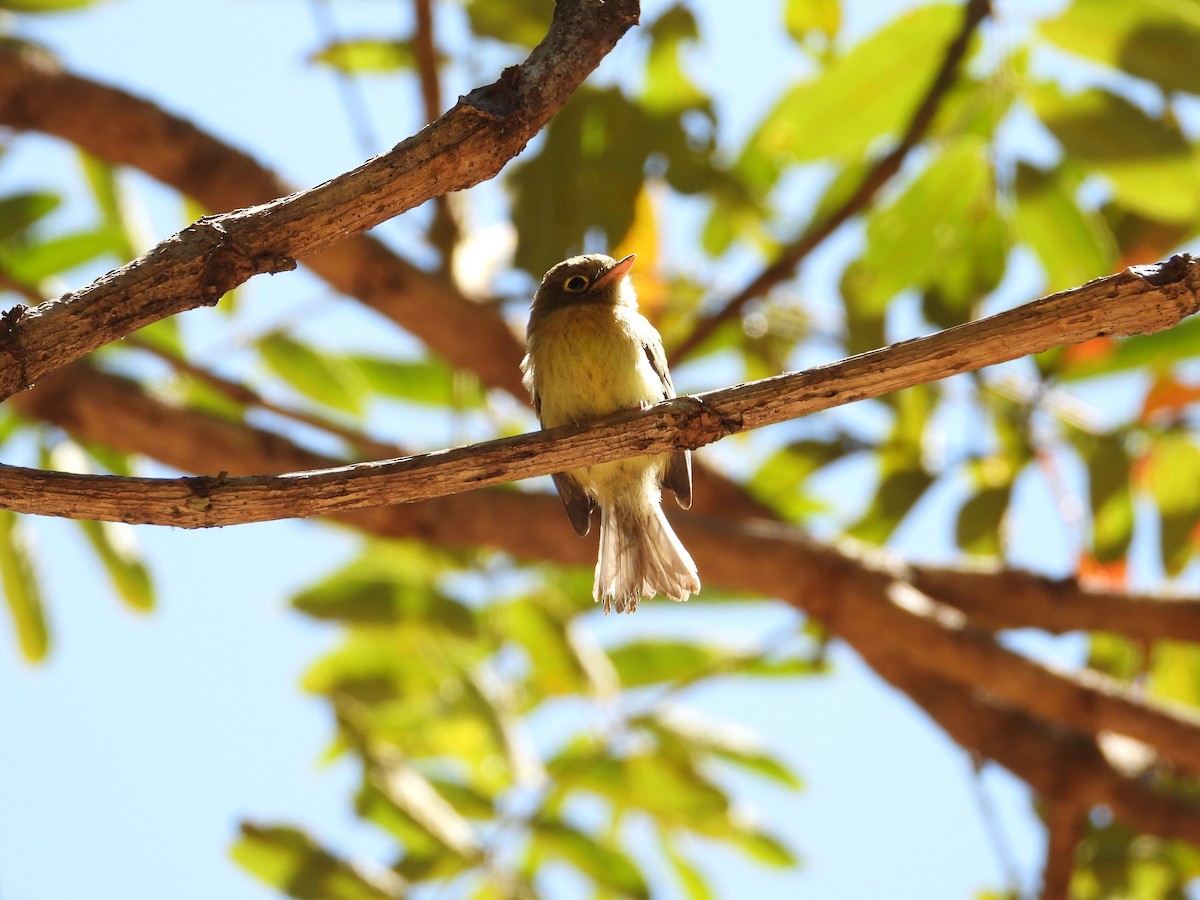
<point>618,270</point>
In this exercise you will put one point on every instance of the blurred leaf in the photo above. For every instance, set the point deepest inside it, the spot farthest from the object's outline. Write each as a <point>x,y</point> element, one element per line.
<point>695,736</point>
<point>40,6</point>
<point>290,861</point>
<point>867,94</point>
<point>1108,464</point>
<point>322,377</point>
<point>603,863</point>
<point>666,86</point>
<point>1175,672</point>
<point>690,878</point>
<point>903,483</point>
<point>669,788</point>
<point>367,56</point>
<point>31,265</point>
<point>946,213</point>
<point>19,211</point>
<point>554,667</point>
<point>779,481</point>
<point>978,530</point>
<point>429,381</point>
<point>409,790</point>
<point>1168,396</point>
<point>802,17</point>
<point>763,847</point>
<point>1154,39</point>
<point>116,545</point>
<point>587,176</point>
<point>22,590</point>
<point>1073,245</point>
<point>1141,351</point>
<point>1116,656</point>
<point>1172,476</point>
<point>520,22</point>
<point>1148,161</point>
<point>106,190</point>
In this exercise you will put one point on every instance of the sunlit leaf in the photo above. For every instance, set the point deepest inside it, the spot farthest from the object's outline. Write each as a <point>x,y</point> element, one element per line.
<point>947,213</point>
<point>116,546</point>
<point>289,860</point>
<point>666,86</point>
<point>367,56</point>
<point>1140,351</point>
<point>802,17</point>
<point>763,847</point>
<point>779,481</point>
<point>606,865</point>
<point>1108,464</point>
<point>412,792</point>
<point>690,878</point>
<point>322,377</point>
<point>22,589</point>
<point>980,519</point>
<point>39,6</point>
<point>1073,244</point>
<point>19,211</point>
<point>1172,476</point>
<point>864,95</point>
<point>1175,672</point>
<point>521,22</point>
<point>1148,161</point>
<point>1154,39</point>
<point>111,201</point>
<point>427,381</point>
<point>30,265</point>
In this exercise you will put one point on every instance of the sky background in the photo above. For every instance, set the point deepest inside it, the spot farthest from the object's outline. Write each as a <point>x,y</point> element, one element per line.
<point>127,759</point>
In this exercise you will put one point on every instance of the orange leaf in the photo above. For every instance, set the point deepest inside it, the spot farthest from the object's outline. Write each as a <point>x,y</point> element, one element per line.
<point>1096,574</point>
<point>642,239</point>
<point>1096,348</point>
<point>1168,395</point>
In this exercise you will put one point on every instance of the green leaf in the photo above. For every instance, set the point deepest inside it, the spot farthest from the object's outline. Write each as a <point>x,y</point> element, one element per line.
<point>1173,479</point>
<point>1154,39</point>
<point>604,864</point>
<point>901,486</point>
<point>978,530</point>
<point>867,94</point>
<point>763,847</point>
<point>289,860</point>
<point>106,189</point>
<point>667,87</point>
<point>22,591</point>
<point>780,480</point>
<point>19,211</point>
<point>117,548</point>
<point>947,213</point>
<point>429,381</point>
<point>802,17</point>
<point>652,661</point>
<point>1142,351</point>
<point>30,265</point>
<point>1175,672</point>
<point>1148,161</point>
<point>43,6</point>
<point>1074,245</point>
<point>367,56</point>
<point>587,177</point>
<point>520,22</point>
<point>694,736</point>
<point>555,669</point>
<point>412,792</point>
<point>690,878</point>
<point>322,377</point>
<point>1108,464</point>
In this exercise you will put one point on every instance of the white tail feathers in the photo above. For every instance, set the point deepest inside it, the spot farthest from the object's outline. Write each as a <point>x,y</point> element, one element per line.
<point>640,556</point>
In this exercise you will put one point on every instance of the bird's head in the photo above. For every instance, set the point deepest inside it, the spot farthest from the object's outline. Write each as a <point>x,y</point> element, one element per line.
<point>594,278</point>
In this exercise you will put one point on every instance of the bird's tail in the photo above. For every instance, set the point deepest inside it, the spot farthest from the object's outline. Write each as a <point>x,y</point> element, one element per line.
<point>640,556</point>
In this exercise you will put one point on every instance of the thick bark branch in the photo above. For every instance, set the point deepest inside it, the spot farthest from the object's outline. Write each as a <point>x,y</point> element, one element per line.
<point>1149,299</point>
<point>467,145</point>
<point>863,599</point>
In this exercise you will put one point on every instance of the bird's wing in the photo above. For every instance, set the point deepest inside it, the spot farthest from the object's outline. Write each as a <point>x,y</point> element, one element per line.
<point>677,477</point>
<point>576,501</point>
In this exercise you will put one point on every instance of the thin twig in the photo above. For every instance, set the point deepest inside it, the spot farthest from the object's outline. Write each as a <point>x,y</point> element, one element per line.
<point>879,175</point>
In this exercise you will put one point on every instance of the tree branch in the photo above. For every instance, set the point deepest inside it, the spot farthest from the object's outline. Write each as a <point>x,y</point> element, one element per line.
<point>1134,301</point>
<point>878,175</point>
<point>468,144</point>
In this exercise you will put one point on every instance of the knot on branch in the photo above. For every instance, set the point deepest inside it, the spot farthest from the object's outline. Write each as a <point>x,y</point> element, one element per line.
<point>227,263</point>
<point>699,423</point>
<point>201,488</point>
<point>10,341</point>
<point>498,100</point>
<point>1161,274</point>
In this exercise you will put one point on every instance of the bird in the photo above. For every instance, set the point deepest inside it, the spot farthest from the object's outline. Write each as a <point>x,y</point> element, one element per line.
<point>590,353</point>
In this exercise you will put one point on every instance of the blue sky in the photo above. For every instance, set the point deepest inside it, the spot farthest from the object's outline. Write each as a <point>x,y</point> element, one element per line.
<point>128,758</point>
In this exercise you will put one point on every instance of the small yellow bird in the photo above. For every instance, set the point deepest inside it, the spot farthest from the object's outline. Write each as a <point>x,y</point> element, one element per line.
<point>590,353</point>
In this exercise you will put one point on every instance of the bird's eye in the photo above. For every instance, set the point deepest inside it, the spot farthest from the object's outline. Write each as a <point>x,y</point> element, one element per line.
<point>575,284</point>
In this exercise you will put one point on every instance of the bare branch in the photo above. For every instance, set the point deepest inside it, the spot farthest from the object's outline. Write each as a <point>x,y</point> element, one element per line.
<point>469,144</point>
<point>111,124</point>
<point>861,596</point>
<point>879,175</point>
<point>1134,301</point>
